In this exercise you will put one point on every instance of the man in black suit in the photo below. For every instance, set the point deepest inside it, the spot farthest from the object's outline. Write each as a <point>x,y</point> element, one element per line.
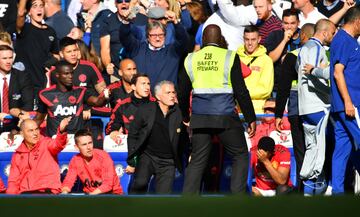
<point>16,92</point>
<point>153,141</point>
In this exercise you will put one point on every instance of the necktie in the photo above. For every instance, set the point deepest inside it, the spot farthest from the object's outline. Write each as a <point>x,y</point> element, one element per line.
<point>5,99</point>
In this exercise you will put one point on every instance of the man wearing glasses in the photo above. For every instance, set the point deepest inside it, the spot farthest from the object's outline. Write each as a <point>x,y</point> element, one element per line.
<point>153,57</point>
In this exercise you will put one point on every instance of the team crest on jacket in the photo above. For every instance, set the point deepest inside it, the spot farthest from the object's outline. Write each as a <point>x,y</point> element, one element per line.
<point>72,99</point>
<point>82,78</point>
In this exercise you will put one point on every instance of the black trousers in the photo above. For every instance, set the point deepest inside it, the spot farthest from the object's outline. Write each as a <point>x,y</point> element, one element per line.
<point>149,165</point>
<point>234,143</point>
<point>297,134</point>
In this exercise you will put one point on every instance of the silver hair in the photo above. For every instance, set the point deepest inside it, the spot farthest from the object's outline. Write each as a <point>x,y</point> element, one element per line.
<point>158,86</point>
<point>153,25</point>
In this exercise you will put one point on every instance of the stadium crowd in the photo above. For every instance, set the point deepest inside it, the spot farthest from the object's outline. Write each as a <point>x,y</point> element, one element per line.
<point>188,83</point>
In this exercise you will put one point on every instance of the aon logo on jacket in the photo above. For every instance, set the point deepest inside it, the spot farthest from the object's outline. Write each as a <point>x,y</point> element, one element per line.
<point>65,111</point>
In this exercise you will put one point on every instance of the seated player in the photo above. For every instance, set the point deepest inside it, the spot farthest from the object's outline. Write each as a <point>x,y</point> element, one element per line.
<point>271,164</point>
<point>94,167</point>
<point>34,165</point>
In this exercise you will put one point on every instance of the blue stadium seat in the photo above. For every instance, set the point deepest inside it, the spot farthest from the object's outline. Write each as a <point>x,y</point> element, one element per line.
<point>5,161</point>
<point>119,159</point>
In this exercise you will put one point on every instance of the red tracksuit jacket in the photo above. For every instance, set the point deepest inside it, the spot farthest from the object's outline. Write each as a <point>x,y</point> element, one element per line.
<point>2,186</point>
<point>37,169</point>
<point>98,173</point>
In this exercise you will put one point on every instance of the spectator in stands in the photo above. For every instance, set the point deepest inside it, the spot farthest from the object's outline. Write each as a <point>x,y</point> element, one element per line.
<point>267,22</point>
<point>94,167</point>
<point>154,57</point>
<point>329,7</point>
<point>73,8</point>
<point>8,15</point>
<point>338,14</point>
<point>111,49</point>
<point>87,54</point>
<point>57,19</point>
<point>17,97</point>
<point>310,14</point>
<point>76,33</point>
<point>314,101</point>
<point>261,80</point>
<point>36,43</point>
<point>153,138</point>
<point>5,39</point>
<point>271,165</point>
<point>267,124</point>
<point>34,166</point>
<point>232,25</point>
<point>213,114</point>
<point>2,186</point>
<point>64,100</point>
<point>178,7</point>
<point>345,100</point>
<point>287,39</point>
<point>198,14</point>
<point>287,94</point>
<point>280,42</point>
<point>91,19</point>
<point>122,89</point>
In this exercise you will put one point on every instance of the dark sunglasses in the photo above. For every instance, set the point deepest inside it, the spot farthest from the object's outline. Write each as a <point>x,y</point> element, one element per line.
<point>122,1</point>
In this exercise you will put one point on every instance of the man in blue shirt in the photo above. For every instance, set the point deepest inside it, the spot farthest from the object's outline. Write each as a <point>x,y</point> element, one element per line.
<point>345,91</point>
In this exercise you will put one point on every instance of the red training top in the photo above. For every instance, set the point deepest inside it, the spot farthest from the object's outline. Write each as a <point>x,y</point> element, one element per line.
<point>2,186</point>
<point>37,169</point>
<point>263,179</point>
<point>98,173</point>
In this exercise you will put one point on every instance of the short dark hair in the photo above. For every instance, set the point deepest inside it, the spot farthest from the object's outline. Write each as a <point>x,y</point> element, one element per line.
<point>29,4</point>
<point>291,12</point>
<point>82,132</point>
<point>136,77</point>
<point>267,144</point>
<point>251,28</point>
<point>352,14</point>
<point>61,64</point>
<point>66,41</point>
<point>6,47</point>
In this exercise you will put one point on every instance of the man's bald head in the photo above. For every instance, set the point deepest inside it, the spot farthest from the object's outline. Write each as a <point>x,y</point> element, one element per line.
<point>30,132</point>
<point>325,31</point>
<point>125,62</point>
<point>127,70</point>
<point>25,123</point>
<point>323,25</point>
<point>212,34</point>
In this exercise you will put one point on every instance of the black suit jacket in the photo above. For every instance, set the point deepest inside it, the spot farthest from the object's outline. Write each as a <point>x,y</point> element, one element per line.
<point>21,93</point>
<point>141,126</point>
